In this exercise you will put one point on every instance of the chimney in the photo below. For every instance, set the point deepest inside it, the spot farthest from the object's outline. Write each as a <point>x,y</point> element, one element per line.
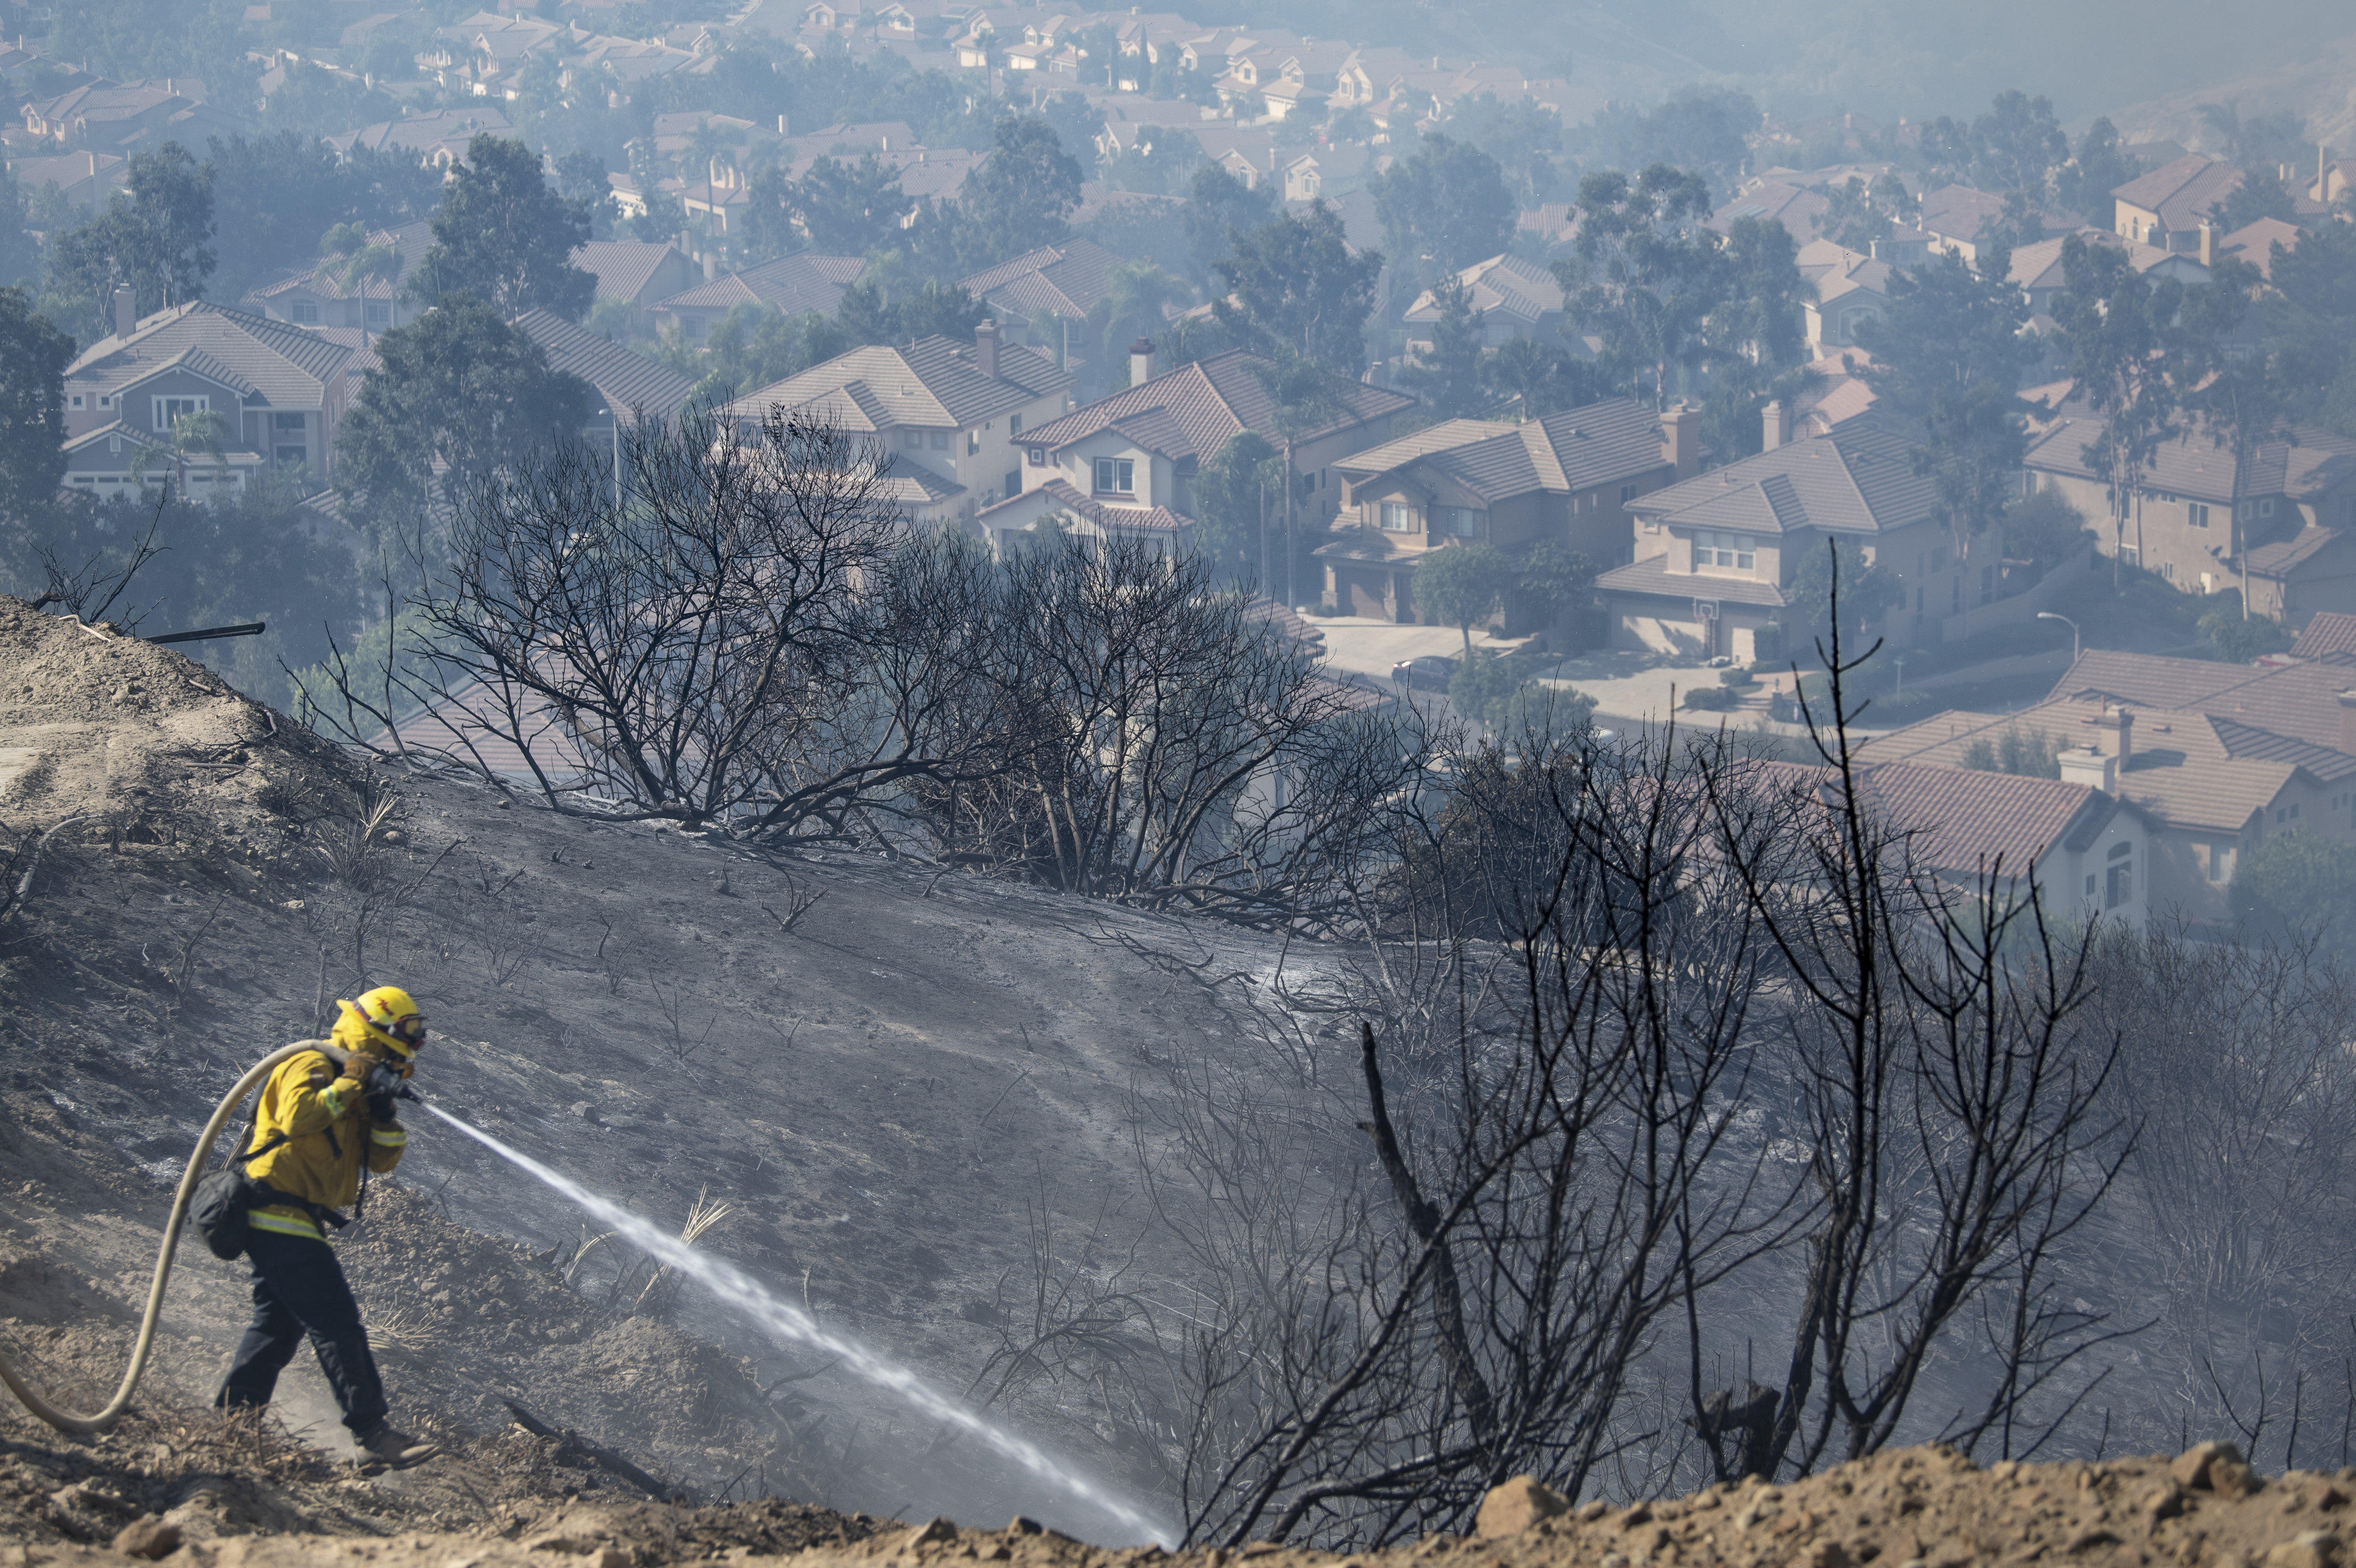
<point>2207,243</point>
<point>1778,424</point>
<point>2120,721</point>
<point>2348,721</point>
<point>711,269</point>
<point>781,124</point>
<point>985,347</point>
<point>126,311</point>
<point>1141,361</point>
<point>2085,764</point>
<point>1681,440</point>
<point>1379,373</point>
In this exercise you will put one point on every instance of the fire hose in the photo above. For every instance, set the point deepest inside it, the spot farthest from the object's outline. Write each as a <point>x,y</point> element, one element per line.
<point>89,1425</point>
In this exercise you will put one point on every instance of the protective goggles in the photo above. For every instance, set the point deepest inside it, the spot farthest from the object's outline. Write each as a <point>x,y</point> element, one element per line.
<point>409,1032</point>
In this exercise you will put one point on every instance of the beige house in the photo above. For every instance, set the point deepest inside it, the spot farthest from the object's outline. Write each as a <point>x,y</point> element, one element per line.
<point>1713,555</point>
<point>2212,787</point>
<point>1850,288</point>
<point>949,414</point>
<point>1139,450</point>
<point>2169,206</point>
<point>1567,480</point>
<point>2293,549</point>
<point>279,392</point>
<point>1516,298</point>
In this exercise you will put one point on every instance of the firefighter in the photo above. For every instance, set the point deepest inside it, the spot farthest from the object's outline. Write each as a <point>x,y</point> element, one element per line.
<point>321,1116</point>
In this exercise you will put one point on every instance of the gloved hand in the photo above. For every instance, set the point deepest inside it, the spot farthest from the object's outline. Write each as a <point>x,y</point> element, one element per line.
<point>379,1084</point>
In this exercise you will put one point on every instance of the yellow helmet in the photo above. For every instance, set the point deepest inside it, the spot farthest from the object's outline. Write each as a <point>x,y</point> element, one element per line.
<point>391,1016</point>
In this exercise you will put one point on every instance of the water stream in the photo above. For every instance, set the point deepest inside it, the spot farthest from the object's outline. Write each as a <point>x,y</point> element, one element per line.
<point>786,1321</point>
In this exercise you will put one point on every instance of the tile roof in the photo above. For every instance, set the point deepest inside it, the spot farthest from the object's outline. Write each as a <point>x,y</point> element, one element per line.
<point>2182,191</point>
<point>1577,449</point>
<point>1069,279</point>
<point>1967,822</point>
<point>1652,576</point>
<point>1798,208</point>
<point>2037,265</point>
<point>2311,465</point>
<point>1859,479</point>
<point>287,366</point>
<point>623,267</point>
<point>2254,241</point>
<point>1835,271</point>
<point>625,379</point>
<point>2300,700</point>
<point>792,283</point>
<point>930,383</point>
<point>2283,556</point>
<point>1104,515</point>
<point>2329,632</point>
<point>410,242</point>
<point>1198,407</point>
<point>1521,290</point>
<point>2181,770</point>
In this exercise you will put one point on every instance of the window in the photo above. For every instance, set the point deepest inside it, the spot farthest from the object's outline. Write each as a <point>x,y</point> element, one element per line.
<point>914,439</point>
<point>940,440</point>
<point>1397,518</point>
<point>2168,571</point>
<point>1460,520</point>
<point>379,312</point>
<point>1627,494</point>
<point>1115,477</point>
<point>1013,425</point>
<point>2220,866</point>
<point>168,409</point>
<point>2196,514</point>
<point>1935,561</point>
<point>1038,456</point>
<point>1724,550</point>
<point>2118,885</point>
<point>972,443</point>
<point>299,456</point>
<point>105,400</point>
<point>694,328</point>
<point>77,400</point>
<point>287,422</point>
<point>2266,507</point>
<point>305,312</point>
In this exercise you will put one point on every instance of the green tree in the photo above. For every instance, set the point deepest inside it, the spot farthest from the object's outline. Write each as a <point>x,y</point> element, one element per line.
<point>457,387</point>
<point>2238,638</point>
<point>1449,375</point>
<point>1522,135</point>
<point>2296,883</point>
<point>1444,208</point>
<point>2262,193</point>
<point>1136,294</point>
<point>1551,580</point>
<point>846,208</point>
<point>2126,358</point>
<point>935,308</point>
<point>1858,214</point>
<point>1294,286</point>
<point>2045,530</point>
<point>277,194</point>
<point>1538,378</point>
<point>1707,130</point>
<point>1076,123</point>
<point>154,239</point>
<point>33,359</point>
<point>503,237</point>
<point>1219,208</point>
<point>1233,490</point>
<point>2099,166</point>
<point>2308,324</point>
<point>581,177</point>
<point>1021,196</point>
<point>1457,585</point>
<point>1644,274</point>
<point>1866,593</point>
<point>20,251</point>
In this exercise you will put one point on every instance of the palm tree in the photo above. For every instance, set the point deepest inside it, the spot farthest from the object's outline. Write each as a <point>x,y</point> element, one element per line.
<point>1136,294</point>
<point>202,431</point>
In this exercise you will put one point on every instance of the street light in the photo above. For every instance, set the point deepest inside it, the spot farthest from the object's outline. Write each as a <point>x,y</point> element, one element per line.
<point>614,424</point>
<point>2048,615</point>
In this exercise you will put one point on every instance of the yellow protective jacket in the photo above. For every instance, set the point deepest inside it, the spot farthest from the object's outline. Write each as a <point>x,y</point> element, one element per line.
<point>328,1133</point>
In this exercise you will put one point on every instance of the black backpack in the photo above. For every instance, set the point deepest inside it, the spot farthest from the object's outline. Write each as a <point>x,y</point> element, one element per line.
<point>218,1210</point>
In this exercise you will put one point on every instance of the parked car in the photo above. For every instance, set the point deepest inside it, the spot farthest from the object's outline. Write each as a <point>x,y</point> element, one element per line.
<point>1431,672</point>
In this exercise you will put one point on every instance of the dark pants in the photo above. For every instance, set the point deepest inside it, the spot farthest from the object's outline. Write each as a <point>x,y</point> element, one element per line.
<point>299,1290</point>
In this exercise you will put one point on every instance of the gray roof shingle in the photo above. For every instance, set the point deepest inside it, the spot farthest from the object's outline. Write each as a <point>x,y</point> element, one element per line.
<point>286,366</point>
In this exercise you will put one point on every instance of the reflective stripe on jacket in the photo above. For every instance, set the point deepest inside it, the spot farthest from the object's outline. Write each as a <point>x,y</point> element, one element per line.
<point>327,1132</point>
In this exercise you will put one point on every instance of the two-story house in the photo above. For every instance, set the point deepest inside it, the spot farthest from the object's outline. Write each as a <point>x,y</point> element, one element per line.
<point>634,276</point>
<point>1850,289</point>
<point>1564,480</point>
<point>2291,552</point>
<point>1054,287</point>
<point>2211,787</point>
<point>2168,206</point>
<point>1112,465</point>
<point>1516,298</point>
<point>2087,853</point>
<point>947,412</point>
<point>333,291</point>
<point>1714,554</point>
<point>278,391</point>
<point>801,282</point>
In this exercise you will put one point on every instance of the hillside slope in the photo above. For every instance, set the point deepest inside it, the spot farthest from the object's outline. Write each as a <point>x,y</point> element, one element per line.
<point>886,1092</point>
